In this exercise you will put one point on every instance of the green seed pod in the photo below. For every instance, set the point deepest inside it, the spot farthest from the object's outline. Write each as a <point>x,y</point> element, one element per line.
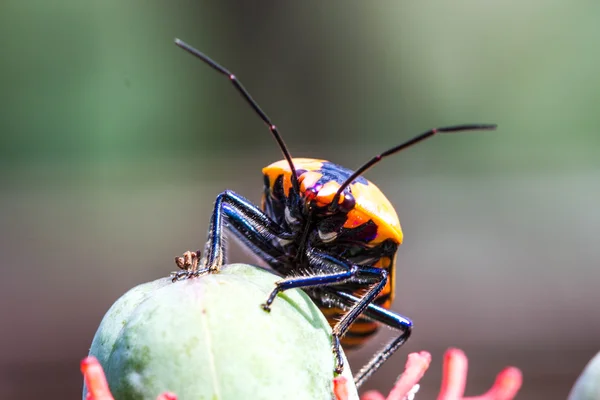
<point>209,338</point>
<point>587,386</point>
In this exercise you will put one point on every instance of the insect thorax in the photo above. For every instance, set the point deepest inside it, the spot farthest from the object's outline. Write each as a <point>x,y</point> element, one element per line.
<point>367,234</point>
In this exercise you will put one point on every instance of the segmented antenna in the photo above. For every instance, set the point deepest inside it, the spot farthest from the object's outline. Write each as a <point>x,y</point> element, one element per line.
<point>244,93</point>
<point>419,138</point>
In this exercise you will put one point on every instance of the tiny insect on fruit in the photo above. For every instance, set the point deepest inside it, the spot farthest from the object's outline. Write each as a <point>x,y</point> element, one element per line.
<point>325,229</point>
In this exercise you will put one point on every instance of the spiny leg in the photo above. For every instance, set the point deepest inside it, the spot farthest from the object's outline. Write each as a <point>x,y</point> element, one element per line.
<point>377,278</point>
<point>331,271</point>
<point>248,223</point>
<point>383,316</point>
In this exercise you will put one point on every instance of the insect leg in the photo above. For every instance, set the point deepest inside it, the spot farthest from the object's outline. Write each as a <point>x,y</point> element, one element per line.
<point>375,280</point>
<point>331,271</point>
<point>383,316</point>
<point>249,224</point>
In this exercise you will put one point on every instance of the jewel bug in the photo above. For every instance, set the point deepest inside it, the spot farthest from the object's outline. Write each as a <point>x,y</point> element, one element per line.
<point>324,229</point>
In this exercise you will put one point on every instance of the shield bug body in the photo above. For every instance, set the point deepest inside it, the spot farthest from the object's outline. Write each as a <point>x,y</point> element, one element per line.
<point>325,229</point>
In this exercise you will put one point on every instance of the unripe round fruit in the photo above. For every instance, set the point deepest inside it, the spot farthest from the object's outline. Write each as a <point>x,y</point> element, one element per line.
<point>209,338</point>
<point>587,386</point>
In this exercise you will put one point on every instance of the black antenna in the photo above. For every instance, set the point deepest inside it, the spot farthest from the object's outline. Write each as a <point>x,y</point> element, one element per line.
<point>419,138</point>
<point>244,93</point>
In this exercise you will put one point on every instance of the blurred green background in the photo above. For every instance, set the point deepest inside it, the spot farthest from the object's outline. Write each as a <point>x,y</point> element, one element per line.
<point>114,144</point>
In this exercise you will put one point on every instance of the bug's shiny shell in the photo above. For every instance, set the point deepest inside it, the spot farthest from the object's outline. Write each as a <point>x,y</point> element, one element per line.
<point>319,181</point>
<point>371,203</point>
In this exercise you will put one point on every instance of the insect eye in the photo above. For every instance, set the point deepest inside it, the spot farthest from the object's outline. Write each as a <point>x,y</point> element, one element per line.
<point>348,203</point>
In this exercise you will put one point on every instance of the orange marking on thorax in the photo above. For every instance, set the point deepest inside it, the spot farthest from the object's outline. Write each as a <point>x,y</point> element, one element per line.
<point>326,193</point>
<point>355,218</point>
<point>282,167</point>
<point>308,180</point>
<point>371,203</point>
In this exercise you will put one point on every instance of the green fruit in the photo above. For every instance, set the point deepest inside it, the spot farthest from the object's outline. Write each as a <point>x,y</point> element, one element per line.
<point>209,338</point>
<point>587,386</point>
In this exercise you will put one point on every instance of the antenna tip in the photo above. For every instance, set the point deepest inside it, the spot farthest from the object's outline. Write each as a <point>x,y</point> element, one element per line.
<point>181,43</point>
<point>463,128</point>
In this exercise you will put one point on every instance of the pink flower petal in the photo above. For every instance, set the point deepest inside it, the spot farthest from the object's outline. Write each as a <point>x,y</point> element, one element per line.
<point>95,380</point>
<point>454,378</point>
<point>507,384</point>
<point>167,396</point>
<point>97,385</point>
<point>340,388</point>
<point>372,395</point>
<point>415,368</point>
<point>454,375</point>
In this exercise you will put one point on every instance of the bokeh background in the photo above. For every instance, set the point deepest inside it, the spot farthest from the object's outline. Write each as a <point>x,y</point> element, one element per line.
<point>114,144</point>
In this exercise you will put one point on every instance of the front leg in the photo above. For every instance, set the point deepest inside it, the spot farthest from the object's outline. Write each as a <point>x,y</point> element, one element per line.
<point>248,223</point>
<point>328,271</point>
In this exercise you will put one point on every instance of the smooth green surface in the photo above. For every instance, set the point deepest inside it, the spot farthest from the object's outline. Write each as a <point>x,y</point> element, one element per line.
<point>117,317</point>
<point>209,338</point>
<point>587,386</point>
